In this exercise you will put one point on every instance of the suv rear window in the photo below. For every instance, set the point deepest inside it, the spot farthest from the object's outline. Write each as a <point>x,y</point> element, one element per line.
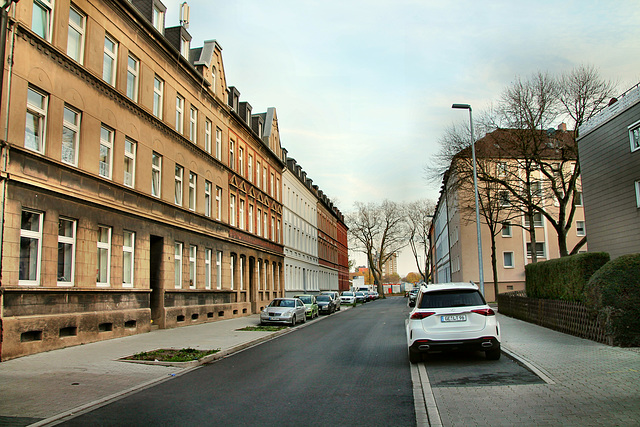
<point>451,298</point>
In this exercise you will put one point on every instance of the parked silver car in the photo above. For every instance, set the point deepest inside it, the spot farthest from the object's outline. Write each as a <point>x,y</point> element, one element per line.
<point>348,297</point>
<point>284,310</point>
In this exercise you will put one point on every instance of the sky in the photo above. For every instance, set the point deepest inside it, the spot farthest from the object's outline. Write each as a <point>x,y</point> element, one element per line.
<point>363,89</point>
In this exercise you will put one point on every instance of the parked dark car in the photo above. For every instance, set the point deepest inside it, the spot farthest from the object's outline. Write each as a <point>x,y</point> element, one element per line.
<point>336,298</point>
<point>361,297</point>
<point>326,304</point>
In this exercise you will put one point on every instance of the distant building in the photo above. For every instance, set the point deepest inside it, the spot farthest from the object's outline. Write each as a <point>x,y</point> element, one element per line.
<point>609,146</point>
<point>390,266</point>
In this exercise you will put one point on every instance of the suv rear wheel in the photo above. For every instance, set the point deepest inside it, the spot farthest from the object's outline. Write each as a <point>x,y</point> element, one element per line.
<point>415,356</point>
<point>493,354</point>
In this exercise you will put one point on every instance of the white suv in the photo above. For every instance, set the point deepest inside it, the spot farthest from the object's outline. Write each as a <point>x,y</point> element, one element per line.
<point>452,316</point>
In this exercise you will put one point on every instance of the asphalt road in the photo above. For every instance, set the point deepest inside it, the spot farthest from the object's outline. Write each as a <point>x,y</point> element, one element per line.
<point>351,368</point>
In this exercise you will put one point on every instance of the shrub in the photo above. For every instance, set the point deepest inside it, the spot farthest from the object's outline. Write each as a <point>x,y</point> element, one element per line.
<point>614,294</point>
<point>563,278</point>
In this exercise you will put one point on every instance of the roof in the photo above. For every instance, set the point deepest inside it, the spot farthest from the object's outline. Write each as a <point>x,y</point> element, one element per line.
<point>431,287</point>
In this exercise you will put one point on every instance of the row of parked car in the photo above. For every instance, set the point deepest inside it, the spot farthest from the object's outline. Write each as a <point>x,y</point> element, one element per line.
<point>301,307</point>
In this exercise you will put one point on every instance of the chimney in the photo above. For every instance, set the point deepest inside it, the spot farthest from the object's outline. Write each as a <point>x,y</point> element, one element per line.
<point>562,127</point>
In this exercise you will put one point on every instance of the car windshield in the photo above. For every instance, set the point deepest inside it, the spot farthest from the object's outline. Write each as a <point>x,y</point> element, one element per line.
<point>347,294</point>
<point>323,298</point>
<point>451,298</point>
<point>282,303</point>
<point>359,293</point>
<point>306,299</point>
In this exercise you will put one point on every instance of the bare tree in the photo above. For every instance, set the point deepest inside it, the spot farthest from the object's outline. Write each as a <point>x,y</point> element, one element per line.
<point>419,217</point>
<point>377,230</point>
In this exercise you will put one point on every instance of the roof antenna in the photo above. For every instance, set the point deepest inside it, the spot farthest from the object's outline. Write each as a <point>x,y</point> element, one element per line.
<point>185,11</point>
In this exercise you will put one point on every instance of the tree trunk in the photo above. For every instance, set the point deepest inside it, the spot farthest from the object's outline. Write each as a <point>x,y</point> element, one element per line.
<point>494,266</point>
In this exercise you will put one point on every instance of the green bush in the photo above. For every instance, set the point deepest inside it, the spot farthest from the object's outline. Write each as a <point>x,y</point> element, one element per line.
<point>614,294</point>
<point>563,278</point>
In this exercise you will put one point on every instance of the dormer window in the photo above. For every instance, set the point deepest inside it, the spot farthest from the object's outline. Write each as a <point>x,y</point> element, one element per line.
<point>158,18</point>
<point>184,47</point>
<point>213,80</point>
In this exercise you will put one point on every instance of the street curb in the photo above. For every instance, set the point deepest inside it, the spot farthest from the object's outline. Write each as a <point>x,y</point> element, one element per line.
<point>518,358</point>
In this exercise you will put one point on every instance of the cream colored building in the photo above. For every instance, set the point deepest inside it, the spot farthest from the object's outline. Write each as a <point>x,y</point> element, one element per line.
<point>138,191</point>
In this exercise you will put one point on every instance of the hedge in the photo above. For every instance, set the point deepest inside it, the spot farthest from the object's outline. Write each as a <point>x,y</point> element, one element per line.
<point>563,278</point>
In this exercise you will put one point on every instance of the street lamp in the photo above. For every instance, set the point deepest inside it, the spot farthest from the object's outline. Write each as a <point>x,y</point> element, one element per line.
<point>475,189</point>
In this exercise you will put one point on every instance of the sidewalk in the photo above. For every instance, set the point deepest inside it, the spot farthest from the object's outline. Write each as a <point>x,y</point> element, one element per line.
<point>587,384</point>
<point>44,385</point>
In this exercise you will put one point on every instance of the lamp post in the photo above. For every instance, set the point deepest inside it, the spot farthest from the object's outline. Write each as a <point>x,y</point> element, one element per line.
<point>475,190</point>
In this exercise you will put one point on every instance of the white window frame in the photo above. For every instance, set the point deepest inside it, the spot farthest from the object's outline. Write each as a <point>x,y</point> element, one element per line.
<point>133,72</point>
<point>157,19</point>
<point>130,148</point>
<point>193,180</point>
<point>47,9</point>
<point>504,260</point>
<point>218,269</point>
<point>32,235</point>
<point>193,124</point>
<point>232,210</point>
<point>156,171</point>
<point>241,267</point>
<point>538,254</point>
<point>71,242</point>
<point>250,167</point>
<point>79,29</point>
<point>184,47</point>
<point>265,228</point>
<point>178,184</point>
<point>179,113</point>
<point>110,60</point>
<point>207,198</point>
<point>259,222</point>
<point>241,161</point>
<point>272,185</point>
<point>158,97</point>
<point>264,178</point>
<point>634,136</point>
<point>580,229</point>
<point>218,203</point>
<point>207,135</point>
<point>507,229</point>
<point>232,163</point>
<point>250,218</point>
<point>257,173</point>
<point>637,185</point>
<point>193,264</point>
<point>177,264</point>
<point>105,164</point>
<point>241,214</point>
<point>39,113</point>
<point>71,129</point>
<point>208,255</point>
<point>128,251</point>
<point>218,143</point>
<point>104,246</point>
<point>538,220</point>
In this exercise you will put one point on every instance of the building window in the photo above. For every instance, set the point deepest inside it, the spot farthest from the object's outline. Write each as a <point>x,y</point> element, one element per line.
<point>133,67</point>
<point>193,125</point>
<point>218,203</point>
<point>193,254</point>
<point>257,173</point>
<point>232,268</point>
<point>580,229</point>
<point>30,247</point>
<point>104,256</point>
<point>277,188</point>
<point>184,47</point>
<point>192,191</point>
<point>258,222</point>
<point>36,120</point>
<point>213,80</point>
<point>577,198</point>
<point>177,265</point>
<point>156,174</point>
<point>536,189</point>
<point>241,214</point>
<point>106,151</point>
<point>241,161</point>
<point>70,135</point>
<point>75,37</point>
<point>539,250</point>
<point>265,230</point>
<point>250,168</point>
<point>507,258</point>
<point>128,258</point>
<point>250,218</point>
<point>503,197</point>
<point>208,253</point>
<point>278,231</point>
<point>241,273</point>
<point>638,194</point>
<point>179,113</point>
<point>271,186</point>
<point>158,94</point>
<point>219,269</point>
<point>232,147</point>
<point>501,169</point>
<point>42,18</point>
<point>506,229</point>
<point>273,229</point>
<point>129,163</point>
<point>157,19</point>
<point>264,179</point>
<point>207,198</point>
<point>179,174</point>
<point>66,252</point>
<point>232,210</point>
<point>537,220</point>
<point>207,135</point>
<point>110,60</point>
<point>218,143</point>
<point>634,136</point>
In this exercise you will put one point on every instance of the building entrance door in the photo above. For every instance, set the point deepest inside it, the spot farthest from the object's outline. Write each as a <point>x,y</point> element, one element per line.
<point>155,281</point>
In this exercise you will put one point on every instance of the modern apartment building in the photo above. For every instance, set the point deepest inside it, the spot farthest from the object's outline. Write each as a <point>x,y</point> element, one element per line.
<point>138,191</point>
<point>454,249</point>
<point>609,146</point>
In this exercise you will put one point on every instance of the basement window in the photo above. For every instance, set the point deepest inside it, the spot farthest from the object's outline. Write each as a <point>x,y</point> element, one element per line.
<point>31,336</point>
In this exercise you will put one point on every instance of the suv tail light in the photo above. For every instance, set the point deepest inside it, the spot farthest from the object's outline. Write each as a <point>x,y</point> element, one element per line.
<point>422,314</point>
<point>485,312</point>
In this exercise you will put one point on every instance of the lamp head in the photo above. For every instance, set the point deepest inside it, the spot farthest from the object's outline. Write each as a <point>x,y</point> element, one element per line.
<point>462,106</point>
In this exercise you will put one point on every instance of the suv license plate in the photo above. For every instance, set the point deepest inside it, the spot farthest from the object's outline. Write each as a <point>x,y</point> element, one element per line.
<point>454,318</point>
